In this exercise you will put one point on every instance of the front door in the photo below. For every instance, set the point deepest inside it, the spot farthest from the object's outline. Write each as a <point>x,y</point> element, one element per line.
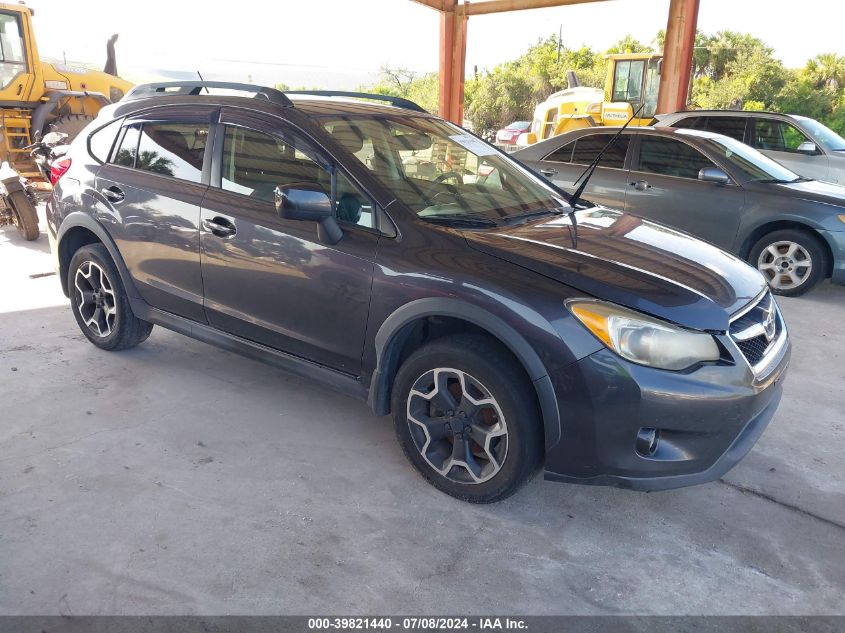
<point>273,280</point>
<point>663,186</point>
<point>151,191</point>
<point>607,185</point>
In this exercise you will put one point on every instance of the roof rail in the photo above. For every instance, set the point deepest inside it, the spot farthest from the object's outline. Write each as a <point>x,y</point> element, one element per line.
<point>399,102</point>
<point>191,88</point>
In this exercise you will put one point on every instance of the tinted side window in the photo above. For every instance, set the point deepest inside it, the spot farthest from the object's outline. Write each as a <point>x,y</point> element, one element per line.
<point>692,123</point>
<point>778,136</point>
<point>125,154</point>
<point>101,141</point>
<point>669,157</point>
<point>733,126</point>
<point>254,164</point>
<point>562,154</point>
<point>173,149</point>
<point>588,147</point>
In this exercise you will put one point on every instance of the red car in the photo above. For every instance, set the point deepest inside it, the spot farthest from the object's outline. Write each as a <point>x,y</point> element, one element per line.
<point>509,134</point>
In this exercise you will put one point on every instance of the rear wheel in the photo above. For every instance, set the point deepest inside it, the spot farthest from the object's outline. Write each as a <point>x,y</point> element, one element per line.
<point>791,260</point>
<point>466,417</point>
<point>99,302</point>
<point>26,217</point>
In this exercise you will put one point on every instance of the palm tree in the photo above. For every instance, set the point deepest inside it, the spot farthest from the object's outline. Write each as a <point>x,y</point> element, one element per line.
<point>827,71</point>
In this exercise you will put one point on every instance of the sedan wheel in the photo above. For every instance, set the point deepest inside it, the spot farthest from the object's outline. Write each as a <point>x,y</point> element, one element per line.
<point>786,265</point>
<point>792,260</point>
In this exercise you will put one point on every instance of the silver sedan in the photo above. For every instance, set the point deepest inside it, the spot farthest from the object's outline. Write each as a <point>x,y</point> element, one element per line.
<point>790,227</point>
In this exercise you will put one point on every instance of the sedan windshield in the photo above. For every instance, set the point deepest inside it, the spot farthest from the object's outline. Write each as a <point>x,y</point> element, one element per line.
<point>747,160</point>
<point>439,170</point>
<point>824,134</point>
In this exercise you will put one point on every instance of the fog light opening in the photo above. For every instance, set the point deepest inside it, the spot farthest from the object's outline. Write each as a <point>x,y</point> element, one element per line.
<point>647,439</point>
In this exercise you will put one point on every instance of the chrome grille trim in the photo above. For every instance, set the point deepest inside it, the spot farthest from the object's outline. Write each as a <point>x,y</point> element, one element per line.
<point>743,339</point>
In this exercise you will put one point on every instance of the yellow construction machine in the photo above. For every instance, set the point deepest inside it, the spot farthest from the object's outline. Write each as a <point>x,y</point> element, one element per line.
<point>633,79</point>
<point>37,97</point>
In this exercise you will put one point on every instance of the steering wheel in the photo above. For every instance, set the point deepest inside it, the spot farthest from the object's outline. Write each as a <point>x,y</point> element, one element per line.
<point>446,175</point>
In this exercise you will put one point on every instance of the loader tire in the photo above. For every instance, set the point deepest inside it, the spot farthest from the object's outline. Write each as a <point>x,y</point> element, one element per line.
<point>71,124</point>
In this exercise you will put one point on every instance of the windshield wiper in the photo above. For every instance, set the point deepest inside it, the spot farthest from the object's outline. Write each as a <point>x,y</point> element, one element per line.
<point>508,219</point>
<point>466,219</point>
<point>782,181</point>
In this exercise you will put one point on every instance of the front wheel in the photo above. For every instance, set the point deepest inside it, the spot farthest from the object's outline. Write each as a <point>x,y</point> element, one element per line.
<point>467,418</point>
<point>791,260</point>
<point>26,217</point>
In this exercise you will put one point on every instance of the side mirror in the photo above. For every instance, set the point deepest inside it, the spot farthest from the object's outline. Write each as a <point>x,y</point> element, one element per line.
<point>713,174</point>
<point>308,201</point>
<point>808,147</point>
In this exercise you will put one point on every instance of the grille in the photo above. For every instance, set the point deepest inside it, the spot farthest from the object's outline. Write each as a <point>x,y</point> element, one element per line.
<point>748,330</point>
<point>753,349</point>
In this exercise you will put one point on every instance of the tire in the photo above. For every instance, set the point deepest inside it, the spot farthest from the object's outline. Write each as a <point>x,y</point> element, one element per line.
<point>510,428</point>
<point>70,124</point>
<point>792,261</point>
<point>26,217</point>
<point>115,327</point>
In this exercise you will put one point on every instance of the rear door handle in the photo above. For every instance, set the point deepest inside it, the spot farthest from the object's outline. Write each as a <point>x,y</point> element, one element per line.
<point>113,193</point>
<point>219,226</point>
<point>640,185</point>
<point>548,171</point>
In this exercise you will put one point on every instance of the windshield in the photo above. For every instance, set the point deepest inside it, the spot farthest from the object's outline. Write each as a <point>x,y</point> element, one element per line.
<point>747,160</point>
<point>438,169</point>
<point>827,137</point>
<point>519,125</point>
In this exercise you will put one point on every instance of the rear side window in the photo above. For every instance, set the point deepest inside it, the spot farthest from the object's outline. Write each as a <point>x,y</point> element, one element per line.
<point>125,154</point>
<point>102,140</point>
<point>562,154</point>
<point>588,147</point>
<point>733,126</point>
<point>173,149</point>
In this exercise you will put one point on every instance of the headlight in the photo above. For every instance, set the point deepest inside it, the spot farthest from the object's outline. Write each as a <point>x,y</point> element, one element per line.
<point>643,339</point>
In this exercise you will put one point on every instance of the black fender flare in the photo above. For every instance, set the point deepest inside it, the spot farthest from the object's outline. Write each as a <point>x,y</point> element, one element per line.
<point>43,110</point>
<point>390,339</point>
<point>79,219</point>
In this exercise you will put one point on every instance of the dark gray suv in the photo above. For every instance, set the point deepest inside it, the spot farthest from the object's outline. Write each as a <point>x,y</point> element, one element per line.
<point>398,258</point>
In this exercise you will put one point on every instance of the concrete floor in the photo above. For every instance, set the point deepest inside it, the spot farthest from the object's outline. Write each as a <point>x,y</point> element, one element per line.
<point>176,478</point>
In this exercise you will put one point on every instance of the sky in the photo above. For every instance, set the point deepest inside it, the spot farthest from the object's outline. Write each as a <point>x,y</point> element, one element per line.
<point>342,43</point>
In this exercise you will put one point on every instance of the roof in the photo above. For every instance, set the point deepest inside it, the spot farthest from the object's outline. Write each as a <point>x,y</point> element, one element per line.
<point>725,113</point>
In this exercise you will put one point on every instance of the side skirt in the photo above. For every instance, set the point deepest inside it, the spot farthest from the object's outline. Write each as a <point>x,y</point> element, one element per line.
<point>337,380</point>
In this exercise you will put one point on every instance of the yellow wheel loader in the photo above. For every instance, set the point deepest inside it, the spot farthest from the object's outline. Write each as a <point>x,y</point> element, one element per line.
<point>632,79</point>
<point>37,97</point>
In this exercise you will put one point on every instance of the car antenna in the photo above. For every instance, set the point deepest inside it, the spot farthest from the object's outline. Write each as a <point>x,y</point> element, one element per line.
<point>199,74</point>
<point>587,174</point>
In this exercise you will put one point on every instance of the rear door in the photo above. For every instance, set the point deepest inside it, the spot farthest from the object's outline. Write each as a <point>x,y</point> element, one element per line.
<point>781,141</point>
<point>149,196</point>
<point>565,164</point>
<point>273,280</point>
<point>664,187</point>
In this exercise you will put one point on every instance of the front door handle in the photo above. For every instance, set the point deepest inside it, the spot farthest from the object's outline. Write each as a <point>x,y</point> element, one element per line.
<point>113,193</point>
<point>548,171</point>
<point>640,185</point>
<point>219,226</point>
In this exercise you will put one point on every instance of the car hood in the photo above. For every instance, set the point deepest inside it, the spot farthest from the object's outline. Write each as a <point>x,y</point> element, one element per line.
<point>630,261</point>
<point>813,190</point>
